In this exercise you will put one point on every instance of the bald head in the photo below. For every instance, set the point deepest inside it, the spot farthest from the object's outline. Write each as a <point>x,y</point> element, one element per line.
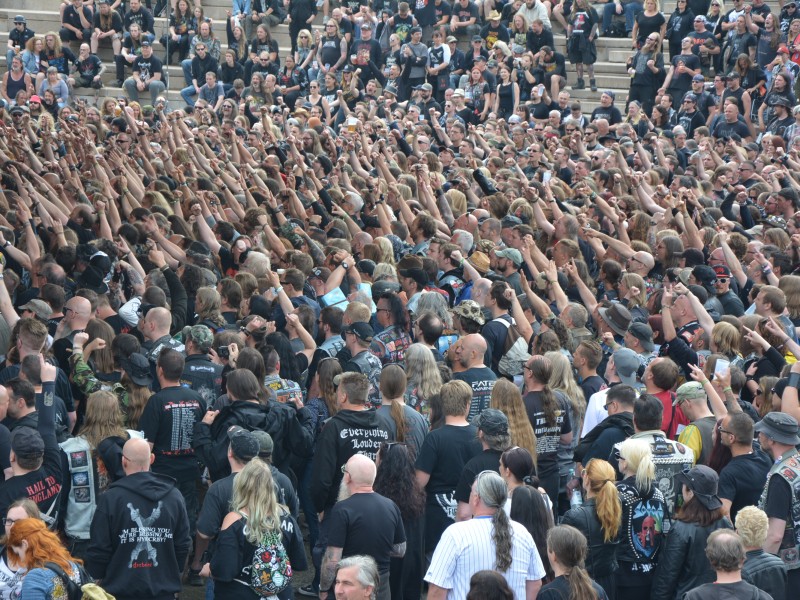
<point>136,456</point>
<point>158,320</point>
<point>473,348</point>
<point>77,313</point>
<point>480,290</point>
<point>361,470</point>
<point>644,259</point>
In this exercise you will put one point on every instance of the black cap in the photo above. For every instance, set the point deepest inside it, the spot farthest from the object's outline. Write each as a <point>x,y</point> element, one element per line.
<point>137,367</point>
<point>492,422</point>
<point>26,442</point>
<point>244,445</point>
<point>361,330</point>
<point>146,43</point>
<point>366,266</point>
<point>92,279</point>
<point>702,480</point>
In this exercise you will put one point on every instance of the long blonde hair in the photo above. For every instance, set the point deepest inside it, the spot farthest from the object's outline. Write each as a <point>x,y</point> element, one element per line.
<point>639,457</point>
<point>562,379</point>
<point>422,371</point>
<point>507,398</point>
<point>103,418</point>
<point>254,495</point>
<point>601,477</point>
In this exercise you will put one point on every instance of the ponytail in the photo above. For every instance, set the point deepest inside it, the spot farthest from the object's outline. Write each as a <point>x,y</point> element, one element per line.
<point>609,510</point>
<point>601,476</point>
<point>398,416</point>
<point>501,534</point>
<point>580,584</point>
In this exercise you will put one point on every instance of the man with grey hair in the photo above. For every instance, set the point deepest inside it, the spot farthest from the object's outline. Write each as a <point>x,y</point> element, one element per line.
<point>463,548</point>
<point>356,578</point>
<point>464,240</point>
<point>494,436</point>
<point>575,316</point>
<point>199,372</point>
<point>725,553</point>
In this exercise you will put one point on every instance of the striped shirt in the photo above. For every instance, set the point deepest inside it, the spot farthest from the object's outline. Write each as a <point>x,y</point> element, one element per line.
<point>467,547</point>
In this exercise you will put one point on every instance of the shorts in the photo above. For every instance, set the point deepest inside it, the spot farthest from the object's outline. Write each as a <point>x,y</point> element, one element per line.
<point>581,51</point>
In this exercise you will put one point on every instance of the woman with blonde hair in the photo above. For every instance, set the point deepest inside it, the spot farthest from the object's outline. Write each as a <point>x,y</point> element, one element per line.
<point>31,547</point>
<point>256,518</point>
<point>305,50</point>
<point>599,518</point>
<point>403,422</point>
<point>644,511</point>
<point>507,398</point>
<point>424,378</point>
<point>387,252</point>
<point>563,380</point>
<point>633,295</point>
<point>726,340</point>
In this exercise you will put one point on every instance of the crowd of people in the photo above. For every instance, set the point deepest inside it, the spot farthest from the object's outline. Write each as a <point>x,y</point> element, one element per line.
<point>401,313</point>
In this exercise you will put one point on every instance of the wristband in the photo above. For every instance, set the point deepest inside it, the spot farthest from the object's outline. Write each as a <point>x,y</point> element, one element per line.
<point>705,382</point>
<point>727,389</point>
<point>277,290</point>
<point>794,380</point>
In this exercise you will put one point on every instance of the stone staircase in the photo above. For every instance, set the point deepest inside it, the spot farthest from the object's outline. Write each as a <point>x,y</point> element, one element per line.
<point>610,70</point>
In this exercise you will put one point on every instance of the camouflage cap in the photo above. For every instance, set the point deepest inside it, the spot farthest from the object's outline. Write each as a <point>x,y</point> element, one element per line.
<point>469,309</point>
<point>202,337</point>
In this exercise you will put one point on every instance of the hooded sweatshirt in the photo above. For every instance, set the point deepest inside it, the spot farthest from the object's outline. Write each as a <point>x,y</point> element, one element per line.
<point>140,538</point>
<point>346,433</point>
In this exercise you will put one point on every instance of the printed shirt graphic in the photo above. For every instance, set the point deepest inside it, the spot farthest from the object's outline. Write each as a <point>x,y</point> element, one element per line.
<point>144,554</point>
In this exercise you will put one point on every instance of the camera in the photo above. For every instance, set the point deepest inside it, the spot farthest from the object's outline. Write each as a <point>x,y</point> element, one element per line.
<point>224,352</point>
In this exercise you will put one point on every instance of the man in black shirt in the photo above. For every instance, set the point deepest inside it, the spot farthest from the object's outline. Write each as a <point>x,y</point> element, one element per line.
<point>168,424</point>
<point>362,523</point>
<point>142,17</point>
<point>36,456</point>
<point>76,23</point>
<point>18,37</point>
<point>742,480</point>
<point>147,73</point>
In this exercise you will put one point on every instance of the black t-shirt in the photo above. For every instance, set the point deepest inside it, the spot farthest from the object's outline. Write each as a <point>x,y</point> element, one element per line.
<point>725,129</point>
<point>488,460</point>
<point>44,484</point>
<point>779,499</point>
<point>558,589</point>
<point>648,25</point>
<point>591,385</point>
<point>742,480</point>
<point>168,423</point>
<point>147,67</point>
<point>366,524</point>
<point>726,591</point>
<point>444,453</point>
<point>609,113</point>
<point>481,380</point>
<point>548,437</point>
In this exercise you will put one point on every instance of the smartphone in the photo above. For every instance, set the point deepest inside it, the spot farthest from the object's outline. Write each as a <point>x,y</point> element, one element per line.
<point>546,176</point>
<point>723,364</point>
<point>540,91</point>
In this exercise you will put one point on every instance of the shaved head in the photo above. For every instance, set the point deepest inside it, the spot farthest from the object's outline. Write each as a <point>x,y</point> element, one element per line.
<point>136,453</point>
<point>361,469</point>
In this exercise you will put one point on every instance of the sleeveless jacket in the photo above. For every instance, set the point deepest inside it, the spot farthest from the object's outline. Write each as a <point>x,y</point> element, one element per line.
<point>332,345</point>
<point>390,345</point>
<point>84,481</point>
<point>642,530</point>
<point>788,469</point>
<point>370,365</point>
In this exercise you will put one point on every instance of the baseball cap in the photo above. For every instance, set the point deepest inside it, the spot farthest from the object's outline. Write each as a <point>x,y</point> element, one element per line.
<point>27,442</point>
<point>626,363</point>
<point>244,445</point>
<point>782,49</point>
<point>265,443</point>
<point>511,254</point>
<point>644,333</point>
<point>365,25</point>
<point>146,43</point>
<point>722,271</point>
<point>688,391</point>
<point>510,221</point>
<point>361,330</point>
<point>477,38</point>
<point>699,78</point>
<point>451,39</point>
<point>202,337</point>
<point>40,308</point>
<point>703,481</point>
<point>492,422</point>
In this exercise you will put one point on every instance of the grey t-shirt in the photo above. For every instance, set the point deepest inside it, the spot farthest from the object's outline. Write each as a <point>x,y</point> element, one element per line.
<point>416,425</point>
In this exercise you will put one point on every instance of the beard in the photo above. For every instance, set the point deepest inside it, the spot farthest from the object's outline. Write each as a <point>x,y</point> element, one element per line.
<point>344,492</point>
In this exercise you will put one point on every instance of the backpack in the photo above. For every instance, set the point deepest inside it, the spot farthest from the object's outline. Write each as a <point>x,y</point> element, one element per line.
<point>271,571</point>
<point>86,590</point>
<point>515,350</point>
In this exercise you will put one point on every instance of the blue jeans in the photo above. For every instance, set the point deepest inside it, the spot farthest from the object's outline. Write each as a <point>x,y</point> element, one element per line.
<point>186,65</point>
<point>631,9</point>
<point>187,94</point>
